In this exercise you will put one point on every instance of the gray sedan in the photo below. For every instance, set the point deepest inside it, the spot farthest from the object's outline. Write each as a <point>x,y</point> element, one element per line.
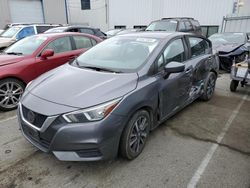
<point>109,99</point>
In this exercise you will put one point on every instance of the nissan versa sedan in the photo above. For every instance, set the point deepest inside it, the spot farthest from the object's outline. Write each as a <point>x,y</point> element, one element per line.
<point>111,97</point>
<point>33,56</point>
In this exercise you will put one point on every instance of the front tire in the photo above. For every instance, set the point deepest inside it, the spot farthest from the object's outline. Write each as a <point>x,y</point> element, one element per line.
<point>135,135</point>
<point>11,91</point>
<point>233,85</point>
<point>209,87</point>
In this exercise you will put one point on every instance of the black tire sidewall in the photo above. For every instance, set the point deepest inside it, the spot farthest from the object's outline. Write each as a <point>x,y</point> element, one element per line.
<point>204,96</point>
<point>233,85</point>
<point>124,146</point>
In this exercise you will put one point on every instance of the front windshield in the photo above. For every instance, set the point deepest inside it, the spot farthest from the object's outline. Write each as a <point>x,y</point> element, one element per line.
<point>26,46</point>
<point>9,33</point>
<point>227,38</point>
<point>120,54</point>
<point>163,25</point>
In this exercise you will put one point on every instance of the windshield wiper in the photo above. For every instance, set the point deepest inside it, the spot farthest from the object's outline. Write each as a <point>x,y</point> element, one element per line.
<point>14,53</point>
<point>100,69</point>
<point>160,30</point>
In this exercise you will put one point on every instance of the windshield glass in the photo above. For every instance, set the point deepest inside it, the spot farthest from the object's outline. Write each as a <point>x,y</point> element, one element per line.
<point>120,54</point>
<point>9,33</point>
<point>225,38</point>
<point>163,25</point>
<point>26,46</point>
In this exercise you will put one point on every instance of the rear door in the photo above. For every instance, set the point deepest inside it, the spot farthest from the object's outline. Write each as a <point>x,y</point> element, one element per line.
<point>62,48</point>
<point>200,62</point>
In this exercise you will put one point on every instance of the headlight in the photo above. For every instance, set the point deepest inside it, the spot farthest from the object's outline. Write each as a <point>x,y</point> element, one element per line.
<point>91,114</point>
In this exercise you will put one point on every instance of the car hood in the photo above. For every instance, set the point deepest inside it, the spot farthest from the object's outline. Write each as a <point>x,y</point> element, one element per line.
<point>81,88</point>
<point>9,59</point>
<point>227,48</point>
<point>4,41</point>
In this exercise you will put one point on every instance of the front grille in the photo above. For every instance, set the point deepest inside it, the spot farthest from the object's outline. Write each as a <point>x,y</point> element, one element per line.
<point>32,117</point>
<point>34,136</point>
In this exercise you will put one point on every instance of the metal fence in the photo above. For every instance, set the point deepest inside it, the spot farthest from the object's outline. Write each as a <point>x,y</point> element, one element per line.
<point>236,24</point>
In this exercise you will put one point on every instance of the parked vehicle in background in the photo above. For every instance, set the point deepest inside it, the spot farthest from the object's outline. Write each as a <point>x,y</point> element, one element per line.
<point>181,24</point>
<point>231,47</point>
<point>1,31</point>
<point>113,32</point>
<point>33,56</point>
<point>80,29</point>
<point>15,33</point>
<point>127,31</point>
<point>110,97</point>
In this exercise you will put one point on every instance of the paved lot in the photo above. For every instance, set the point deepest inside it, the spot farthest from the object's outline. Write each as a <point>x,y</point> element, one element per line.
<point>205,145</point>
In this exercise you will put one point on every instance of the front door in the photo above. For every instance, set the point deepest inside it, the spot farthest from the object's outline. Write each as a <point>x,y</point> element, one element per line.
<point>62,54</point>
<point>173,90</point>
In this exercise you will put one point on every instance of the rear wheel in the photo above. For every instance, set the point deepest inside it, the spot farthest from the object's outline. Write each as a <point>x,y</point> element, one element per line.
<point>233,85</point>
<point>135,135</point>
<point>209,87</point>
<point>11,91</point>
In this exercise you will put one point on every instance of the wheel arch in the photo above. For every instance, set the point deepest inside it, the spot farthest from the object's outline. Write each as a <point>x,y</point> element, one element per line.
<point>14,77</point>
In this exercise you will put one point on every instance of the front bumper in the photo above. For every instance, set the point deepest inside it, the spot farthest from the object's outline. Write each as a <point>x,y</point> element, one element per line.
<point>90,141</point>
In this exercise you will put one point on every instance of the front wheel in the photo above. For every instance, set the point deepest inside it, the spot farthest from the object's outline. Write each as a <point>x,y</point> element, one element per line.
<point>209,86</point>
<point>233,85</point>
<point>135,135</point>
<point>11,91</point>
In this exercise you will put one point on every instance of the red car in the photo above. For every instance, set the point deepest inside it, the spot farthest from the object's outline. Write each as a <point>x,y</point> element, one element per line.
<point>30,57</point>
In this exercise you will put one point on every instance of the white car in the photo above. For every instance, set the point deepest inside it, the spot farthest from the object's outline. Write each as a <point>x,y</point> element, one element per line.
<point>18,32</point>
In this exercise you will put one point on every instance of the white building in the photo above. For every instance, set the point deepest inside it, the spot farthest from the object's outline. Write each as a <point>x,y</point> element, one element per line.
<point>32,11</point>
<point>108,14</point>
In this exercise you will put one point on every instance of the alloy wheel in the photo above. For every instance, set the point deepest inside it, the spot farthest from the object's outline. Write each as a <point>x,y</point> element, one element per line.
<point>10,94</point>
<point>211,85</point>
<point>138,134</point>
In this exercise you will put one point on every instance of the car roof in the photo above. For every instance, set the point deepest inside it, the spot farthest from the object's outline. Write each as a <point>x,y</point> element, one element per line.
<point>55,35</point>
<point>155,34</point>
<point>75,26</point>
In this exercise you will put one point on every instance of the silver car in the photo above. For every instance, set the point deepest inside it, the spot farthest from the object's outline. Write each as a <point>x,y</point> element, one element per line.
<point>109,99</point>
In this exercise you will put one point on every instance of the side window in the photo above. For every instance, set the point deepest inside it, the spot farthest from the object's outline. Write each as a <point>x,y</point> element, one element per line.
<point>198,46</point>
<point>82,42</point>
<point>42,29</point>
<point>73,30</point>
<point>182,26</point>
<point>88,31</point>
<point>27,31</point>
<point>188,26</point>
<point>93,42</point>
<point>174,52</point>
<point>60,45</point>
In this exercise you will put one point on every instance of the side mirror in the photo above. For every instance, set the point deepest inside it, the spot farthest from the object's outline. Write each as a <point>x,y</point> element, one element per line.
<point>47,53</point>
<point>174,67</point>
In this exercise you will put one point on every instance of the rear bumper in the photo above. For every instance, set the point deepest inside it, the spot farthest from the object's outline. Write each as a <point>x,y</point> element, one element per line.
<point>78,142</point>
